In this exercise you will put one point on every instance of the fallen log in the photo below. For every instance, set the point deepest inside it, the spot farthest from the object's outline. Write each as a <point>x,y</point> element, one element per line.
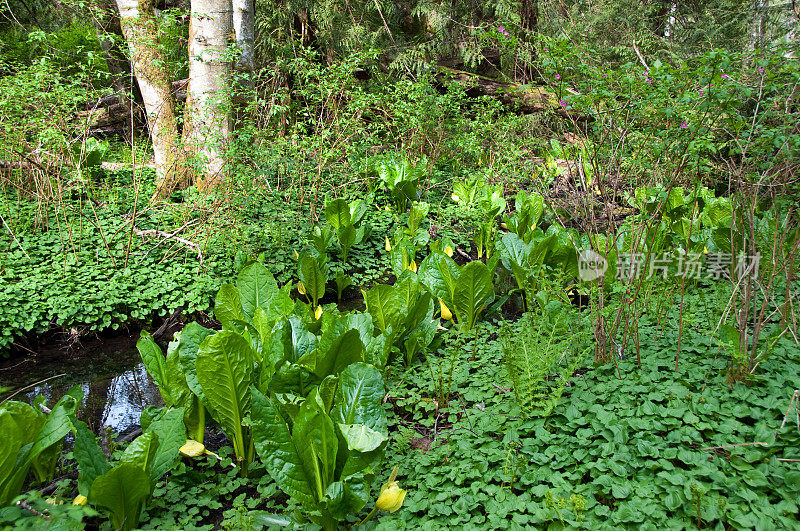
<point>516,97</point>
<point>111,114</point>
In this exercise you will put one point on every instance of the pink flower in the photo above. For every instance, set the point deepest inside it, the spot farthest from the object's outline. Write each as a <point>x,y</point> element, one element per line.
<point>724,75</point>
<point>702,92</point>
<point>605,75</point>
<point>684,125</point>
<point>563,104</point>
<point>558,76</point>
<point>502,30</point>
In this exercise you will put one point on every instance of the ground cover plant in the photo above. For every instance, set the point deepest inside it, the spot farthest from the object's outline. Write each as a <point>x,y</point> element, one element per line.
<point>415,267</point>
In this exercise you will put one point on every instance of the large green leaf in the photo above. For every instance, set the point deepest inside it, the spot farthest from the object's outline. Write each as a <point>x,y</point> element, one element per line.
<point>473,288</point>
<point>337,213</point>
<point>189,343</point>
<point>383,306</point>
<point>359,403</point>
<point>336,351</point>
<point>361,438</point>
<point>431,276</point>
<point>182,396</point>
<point>10,444</point>
<point>359,399</point>
<point>276,448</point>
<point>154,362</point>
<point>346,497</point>
<point>228,305</point>
<point>171,434</point>
<point>123,491</point>
<point>257,289</point>
<point>224,372</point>
<point>56,426</point>
<point>92,462</point>
<point>315,438</point>
<point>515,254</point>
<point>347,238</point>
<point>141,451</point>
<point>314,276</point>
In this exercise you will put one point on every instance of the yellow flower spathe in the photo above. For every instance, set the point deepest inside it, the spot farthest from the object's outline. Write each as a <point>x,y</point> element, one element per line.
<point>448,251</point>
<point>391,497</point>
<point>318,312</point>
<point>301,288</point>
<point>413,266</point>
<point>192,448</point>
<point>447,315</point>
<point>388,246</point>
<point>80,499</point>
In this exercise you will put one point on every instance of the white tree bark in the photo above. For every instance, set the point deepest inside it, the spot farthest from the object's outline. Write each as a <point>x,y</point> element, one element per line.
<point>244,25</point>
<point>207,119</point>
<point>140,28</point>
<point>756,25</point>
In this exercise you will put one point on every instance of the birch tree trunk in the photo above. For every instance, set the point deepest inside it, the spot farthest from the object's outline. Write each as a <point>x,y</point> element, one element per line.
<point>140,28</point>
<point>207,118</point>
<point>244,26</point>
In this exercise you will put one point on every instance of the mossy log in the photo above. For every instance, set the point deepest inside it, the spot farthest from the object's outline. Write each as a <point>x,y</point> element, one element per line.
<point>516,97</point>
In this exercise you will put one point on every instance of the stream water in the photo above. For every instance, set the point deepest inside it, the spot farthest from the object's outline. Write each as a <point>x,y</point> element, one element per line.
<point>115,384</point>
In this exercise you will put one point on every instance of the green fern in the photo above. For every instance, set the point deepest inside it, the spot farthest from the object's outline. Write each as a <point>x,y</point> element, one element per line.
<point>540,356</point>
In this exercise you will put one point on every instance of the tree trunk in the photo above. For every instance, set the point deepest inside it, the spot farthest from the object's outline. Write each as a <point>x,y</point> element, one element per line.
<point>207,118</point>
<point>529,21</point>
<point>244,26</point>
<point>140,28</point>
<point>756,26</point>
<point>109,32</point>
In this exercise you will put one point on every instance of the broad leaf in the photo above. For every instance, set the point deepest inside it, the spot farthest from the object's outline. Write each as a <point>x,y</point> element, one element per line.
<point>228,305</point>
<point>337,213</point>
<point>361,438</point>
<point>92,462</point>
<point>257,289</point>
<point>171,434</point>
<point>191,337</point>
<point>277,450</point>
<point>123,491</point>
<point>154,362</point>
<point>225,372</point>
<point>472,290</point>
<point>316,442</point>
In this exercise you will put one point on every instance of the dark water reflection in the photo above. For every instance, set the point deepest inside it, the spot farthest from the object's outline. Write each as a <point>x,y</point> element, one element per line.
<point>115,384</point>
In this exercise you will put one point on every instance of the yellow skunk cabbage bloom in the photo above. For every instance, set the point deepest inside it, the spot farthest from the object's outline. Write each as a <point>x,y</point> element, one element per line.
<point>318,312</point>
<point>192,448</point>
<point>301,288</point>
<point>387,245</point>
<point>504,226</point>
<point>447,315</point>
<point>455,198</point>
<point>705,250</point>
<point>391,497</point>
<point>80,499</point>
<point>413,266</point>
<point>448,251</point>
<point>296,255</point>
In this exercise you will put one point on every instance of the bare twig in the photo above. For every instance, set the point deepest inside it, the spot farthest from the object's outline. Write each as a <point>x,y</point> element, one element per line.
<point>34,384</point>
<point>639,55</point>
